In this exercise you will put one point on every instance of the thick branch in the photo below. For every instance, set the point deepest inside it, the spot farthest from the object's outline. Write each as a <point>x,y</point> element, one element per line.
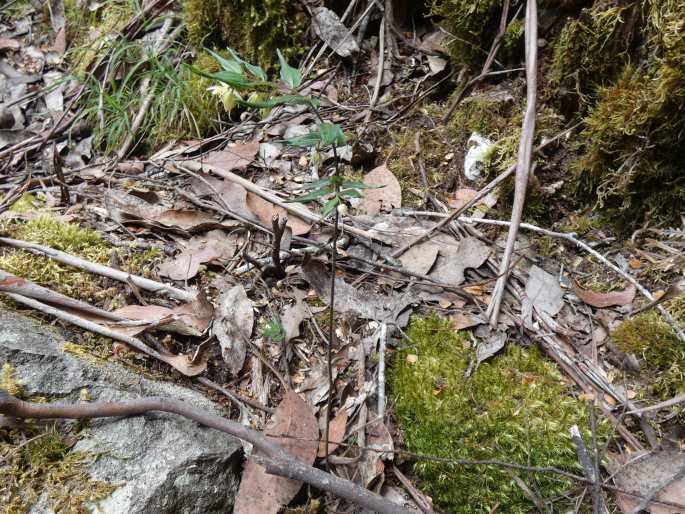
<point>276,460</point>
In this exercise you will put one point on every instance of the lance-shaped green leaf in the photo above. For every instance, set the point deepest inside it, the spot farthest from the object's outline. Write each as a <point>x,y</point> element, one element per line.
<point>289,75</point>
<point>314,195</point>
<point>350,193</point>
<point>227,65</point>
<point>255,70</point>
<point>315,184</point>
<point>235,80</point>
<point>331,134</point>
<point>278,100</point>
<point>311,139</point>
<point>360,185</point>
<point>331,205</point>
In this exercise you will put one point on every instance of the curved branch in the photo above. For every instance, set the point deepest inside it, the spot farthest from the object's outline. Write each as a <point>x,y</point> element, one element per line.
<point>274,458</point>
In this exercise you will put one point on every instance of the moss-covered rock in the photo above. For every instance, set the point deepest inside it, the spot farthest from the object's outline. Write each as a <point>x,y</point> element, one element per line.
<point>516,408</point>
<point>255,28</point>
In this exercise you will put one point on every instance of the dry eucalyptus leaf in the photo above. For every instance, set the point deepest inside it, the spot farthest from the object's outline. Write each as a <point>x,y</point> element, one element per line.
<point>336,433</point>
<point>456,256</point>
<point>602,300</point>
<point>266,210</point>
<point>544,292</point>
<point>328,27</point>
<point>233,326</point>
<point>186,264</point>
<point>646,473</point>
<point>420,258</point>
<point>128,208</point>
<point>190,319</point>
<point>234,157</point>
<point>295,429</point>
<point>384,198</point>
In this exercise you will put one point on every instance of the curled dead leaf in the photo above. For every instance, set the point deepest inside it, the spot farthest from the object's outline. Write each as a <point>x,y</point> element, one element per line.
<point>602,300</point>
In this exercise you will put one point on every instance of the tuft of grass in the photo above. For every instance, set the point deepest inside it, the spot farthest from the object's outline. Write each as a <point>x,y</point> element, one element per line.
<point>515,408</point>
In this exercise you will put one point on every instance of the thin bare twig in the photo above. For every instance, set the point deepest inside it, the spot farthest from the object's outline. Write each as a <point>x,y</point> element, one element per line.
<point>99,269</point>
<point>525,154</point>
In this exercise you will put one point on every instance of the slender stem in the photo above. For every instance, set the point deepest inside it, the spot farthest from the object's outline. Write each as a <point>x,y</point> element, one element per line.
<point>331,333</point>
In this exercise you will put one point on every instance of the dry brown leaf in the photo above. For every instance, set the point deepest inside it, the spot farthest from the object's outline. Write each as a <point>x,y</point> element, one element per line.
<point>235,157</point>
<point>186,264</point>
<point>296,430</point>
<point>266,210</point>
<point>420,258</point>
<point>601,300</point>
<point>644,474</point>
<point>189,319</point>
<point>462,197</point>
<point>385,198</point>
<point>462,320</point>
<point>7,43</point>
<point>336,433</point>
<point>455,257</point>
<point>131,208</point>
<point>60,44</point>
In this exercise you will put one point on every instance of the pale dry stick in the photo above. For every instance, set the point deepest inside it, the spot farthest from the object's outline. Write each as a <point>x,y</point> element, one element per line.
<point>274,458</point>
<point>680,398</point>
<point>92,267</point>
<point>579,244</point>
<point>10,283</point>
<point>382,343</point>
<point>294,208</point>
<point>525,154</point>
<point>588,467</point>
<point>418,497</point>
<point>379,74</point>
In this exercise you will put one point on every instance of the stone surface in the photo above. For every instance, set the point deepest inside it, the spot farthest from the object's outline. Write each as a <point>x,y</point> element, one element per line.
<point>161,463</point>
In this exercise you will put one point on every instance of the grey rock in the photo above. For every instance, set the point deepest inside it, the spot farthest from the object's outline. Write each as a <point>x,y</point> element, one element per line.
<point>160,463</point>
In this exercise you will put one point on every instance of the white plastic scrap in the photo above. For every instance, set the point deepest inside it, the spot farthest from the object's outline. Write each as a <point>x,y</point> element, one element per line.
<point>478,150</point>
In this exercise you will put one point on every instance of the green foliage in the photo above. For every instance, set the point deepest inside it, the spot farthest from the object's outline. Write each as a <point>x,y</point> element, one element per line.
<point>632,155</point>
<point>515,407</point>
<point>653,341</point>
<point>274,330</point>
<point>256,28</point>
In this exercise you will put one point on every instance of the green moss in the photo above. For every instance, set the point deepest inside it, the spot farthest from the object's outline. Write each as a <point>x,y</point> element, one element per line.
<point>653,341</point>
<point>45,464</point>
<point>73,239</point>
<point>255,28</point>
<point>27,203</point>
<point>515,407</point>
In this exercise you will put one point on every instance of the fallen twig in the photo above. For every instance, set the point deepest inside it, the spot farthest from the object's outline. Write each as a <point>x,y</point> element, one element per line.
<point>273,457</point>
<point>525,153</point>
<point>589,469</point>
<point>579,244</point>
<point>99,269</point>
<point>181,363</point>
<point>294,208</point>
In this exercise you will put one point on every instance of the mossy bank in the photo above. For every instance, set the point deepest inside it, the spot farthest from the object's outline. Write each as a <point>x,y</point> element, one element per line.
<point>516,408</point>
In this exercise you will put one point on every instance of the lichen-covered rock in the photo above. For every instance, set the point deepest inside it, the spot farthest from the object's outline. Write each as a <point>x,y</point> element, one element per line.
<point>157,463</point>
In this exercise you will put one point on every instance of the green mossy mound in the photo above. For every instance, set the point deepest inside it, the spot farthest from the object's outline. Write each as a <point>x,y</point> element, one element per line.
<point>654,342</point>
<point>620,67</point>
<point>515,408</point>
<point>254,28</point>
